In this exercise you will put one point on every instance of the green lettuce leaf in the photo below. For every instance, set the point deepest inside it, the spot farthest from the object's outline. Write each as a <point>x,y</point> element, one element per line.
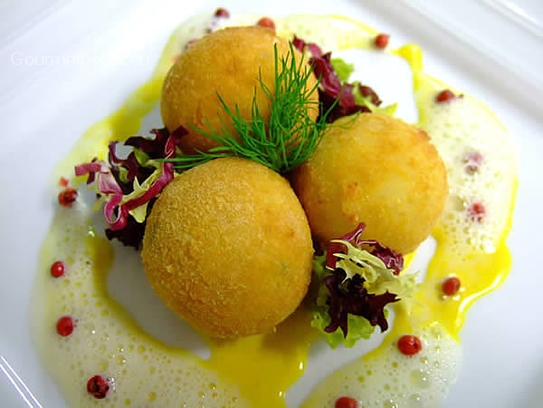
<point>360,99</point>
<point>343,69</point>
<point>359,327</point>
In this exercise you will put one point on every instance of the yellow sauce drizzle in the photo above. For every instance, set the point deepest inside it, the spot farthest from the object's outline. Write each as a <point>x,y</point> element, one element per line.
<point>265,366</point>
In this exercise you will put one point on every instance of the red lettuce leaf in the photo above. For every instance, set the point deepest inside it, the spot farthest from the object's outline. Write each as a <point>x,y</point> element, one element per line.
<point>330,87</point>
<point>155,147</point>
<point>110,184</point>
<point>132,234</point>
<point>390,258</point>
<point>367,91</point>
<point>135,170</point>
<point>350,296</point>
<point>302,46</point>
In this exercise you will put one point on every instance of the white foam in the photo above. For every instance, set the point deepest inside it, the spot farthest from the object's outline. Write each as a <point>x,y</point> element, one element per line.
<point>458,128</point>
<point>394,380</point>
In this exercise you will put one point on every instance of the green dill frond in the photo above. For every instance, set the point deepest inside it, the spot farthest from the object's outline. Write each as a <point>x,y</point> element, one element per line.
<point>281,142</point>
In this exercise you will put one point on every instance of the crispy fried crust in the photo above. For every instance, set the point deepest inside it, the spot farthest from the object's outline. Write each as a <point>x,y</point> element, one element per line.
<point>226,62</point>
<point>227,247</point>
<point>378,170</point>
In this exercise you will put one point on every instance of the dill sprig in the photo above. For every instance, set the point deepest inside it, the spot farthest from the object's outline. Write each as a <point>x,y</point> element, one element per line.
<point>281,142</point>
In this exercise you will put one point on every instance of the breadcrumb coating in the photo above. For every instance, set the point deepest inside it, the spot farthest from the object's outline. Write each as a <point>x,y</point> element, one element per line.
<point>228,248</point>
<point>378,170</point>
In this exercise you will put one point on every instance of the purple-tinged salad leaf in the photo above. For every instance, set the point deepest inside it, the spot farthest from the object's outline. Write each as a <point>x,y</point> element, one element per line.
<point>358,326</point>
<point>132,234</point>
<point>367,92</point>
<point>356,279</point>
<point>390,258</point>
<point>349,296</point>
<point>129,186</point>
<point>334,74</point>
<point>312,48</point>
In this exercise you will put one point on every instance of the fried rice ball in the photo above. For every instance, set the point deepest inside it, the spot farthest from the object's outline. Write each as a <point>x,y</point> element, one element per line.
<point>378,170</point>
<point>226,62</point>
<point>227,247</point>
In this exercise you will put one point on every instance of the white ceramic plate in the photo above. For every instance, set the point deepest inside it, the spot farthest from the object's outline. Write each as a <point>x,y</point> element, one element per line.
<point>486,48</point>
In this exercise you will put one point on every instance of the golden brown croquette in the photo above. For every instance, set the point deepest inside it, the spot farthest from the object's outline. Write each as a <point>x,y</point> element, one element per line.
<point>378,170</point>
<point>226,62</point>
<point>227,247</point>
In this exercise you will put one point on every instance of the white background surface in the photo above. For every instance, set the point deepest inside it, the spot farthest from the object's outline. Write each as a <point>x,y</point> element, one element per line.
<point>44,109</point>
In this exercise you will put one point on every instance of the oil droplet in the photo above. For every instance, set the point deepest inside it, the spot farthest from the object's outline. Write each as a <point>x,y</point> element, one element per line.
<point>419,378</point>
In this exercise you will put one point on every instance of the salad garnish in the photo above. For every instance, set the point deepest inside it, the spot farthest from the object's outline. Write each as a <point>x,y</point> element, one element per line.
<point>335,92</point>
<point>129,186</point>
<point>356,279</point>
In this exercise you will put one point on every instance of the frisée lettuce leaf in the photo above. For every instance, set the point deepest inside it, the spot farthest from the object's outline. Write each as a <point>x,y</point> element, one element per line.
<point>359,327</point>
<point>355,280</point>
